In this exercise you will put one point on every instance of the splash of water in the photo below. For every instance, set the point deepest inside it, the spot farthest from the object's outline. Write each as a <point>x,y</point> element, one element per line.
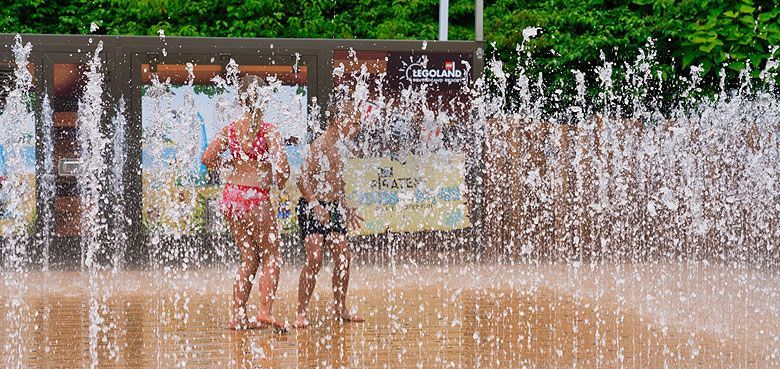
<point>119,220</point>
<point>596,192</point>
<point>93,148</point>
<point>18,134</point>
<point>47,178</point>
<point>638,182</point>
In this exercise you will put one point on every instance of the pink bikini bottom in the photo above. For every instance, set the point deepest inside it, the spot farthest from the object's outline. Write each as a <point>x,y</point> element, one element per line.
<point>238,200</point>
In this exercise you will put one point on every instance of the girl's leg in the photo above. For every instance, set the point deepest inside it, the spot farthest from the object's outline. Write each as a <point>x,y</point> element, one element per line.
<point>242,286</point>
<point>308,278</point>
<point>266,239</point>
<point>339,250</point>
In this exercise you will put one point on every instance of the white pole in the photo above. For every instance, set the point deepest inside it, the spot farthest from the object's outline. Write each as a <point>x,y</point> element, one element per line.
<point>479,32</point>
<point>444,11</point>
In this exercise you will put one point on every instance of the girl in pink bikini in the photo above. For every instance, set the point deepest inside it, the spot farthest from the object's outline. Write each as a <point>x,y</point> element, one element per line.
<point>257,161</point>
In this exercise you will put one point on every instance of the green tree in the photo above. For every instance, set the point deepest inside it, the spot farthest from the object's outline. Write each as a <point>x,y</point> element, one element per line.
<point>573,33</point>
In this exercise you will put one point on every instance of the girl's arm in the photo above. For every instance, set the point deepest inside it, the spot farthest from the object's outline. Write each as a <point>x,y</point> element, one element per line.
<point>278,156</point>
<point>211,156</point>
<point>306,183</point>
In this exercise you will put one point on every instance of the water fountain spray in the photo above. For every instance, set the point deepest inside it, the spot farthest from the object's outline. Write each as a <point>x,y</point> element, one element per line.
<point>17,194</point>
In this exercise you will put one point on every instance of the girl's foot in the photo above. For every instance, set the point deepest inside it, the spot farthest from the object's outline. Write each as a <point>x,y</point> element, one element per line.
<point>264,321</point>
<point>301,322</point>
<point>347,317</point>
<point>236,325</point>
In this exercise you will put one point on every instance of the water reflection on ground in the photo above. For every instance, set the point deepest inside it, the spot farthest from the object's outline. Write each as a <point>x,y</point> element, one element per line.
<point>464,316</point>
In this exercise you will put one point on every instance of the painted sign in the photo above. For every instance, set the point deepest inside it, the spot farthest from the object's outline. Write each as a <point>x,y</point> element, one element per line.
<point>437,70</point>
<point>173,178</point>
<point>422,193</point>
<point>17,170</point>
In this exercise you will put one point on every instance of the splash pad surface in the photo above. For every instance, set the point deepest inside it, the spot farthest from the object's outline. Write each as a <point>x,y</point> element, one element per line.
<point>467,316</point>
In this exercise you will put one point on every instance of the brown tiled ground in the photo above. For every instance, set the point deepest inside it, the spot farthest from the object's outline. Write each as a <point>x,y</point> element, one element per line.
<point>432,317</point>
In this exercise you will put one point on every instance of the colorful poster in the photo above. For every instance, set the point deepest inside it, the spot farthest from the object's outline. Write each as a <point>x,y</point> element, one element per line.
<point>179,194</point>
<point>17,170</point>
<point>399,191</point>
<point>422,193</point>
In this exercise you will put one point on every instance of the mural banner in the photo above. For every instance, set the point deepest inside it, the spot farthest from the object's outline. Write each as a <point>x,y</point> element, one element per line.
<point>179,194</point>
<point>17,172</point>
<point>422,193</point>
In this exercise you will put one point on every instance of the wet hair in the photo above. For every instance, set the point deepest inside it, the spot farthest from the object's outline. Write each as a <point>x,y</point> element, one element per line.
<point>339,111</point>
<point>246,86</point>
<point>334,111</point>
<point>339,101</point>
<point>248,92</point>
<point>325,117</point>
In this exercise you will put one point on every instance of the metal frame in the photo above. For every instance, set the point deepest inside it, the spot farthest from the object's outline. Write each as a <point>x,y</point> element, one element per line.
<point>124,54</point>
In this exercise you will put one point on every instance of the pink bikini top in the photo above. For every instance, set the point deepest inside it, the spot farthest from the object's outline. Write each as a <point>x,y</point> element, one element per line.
<point>259,149</point>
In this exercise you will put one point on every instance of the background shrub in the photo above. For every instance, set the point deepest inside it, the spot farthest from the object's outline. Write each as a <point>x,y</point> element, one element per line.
<point>730,34</point>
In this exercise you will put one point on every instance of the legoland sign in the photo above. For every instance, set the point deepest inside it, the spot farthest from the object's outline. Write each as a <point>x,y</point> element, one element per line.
<point>443,70</point>
<point>417,73</point>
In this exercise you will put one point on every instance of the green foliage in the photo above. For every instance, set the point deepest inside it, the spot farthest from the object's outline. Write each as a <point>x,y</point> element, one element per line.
<point>396,19</point>
<point>705,33</point>
<point>734,33</point>
<point>574,32</point>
